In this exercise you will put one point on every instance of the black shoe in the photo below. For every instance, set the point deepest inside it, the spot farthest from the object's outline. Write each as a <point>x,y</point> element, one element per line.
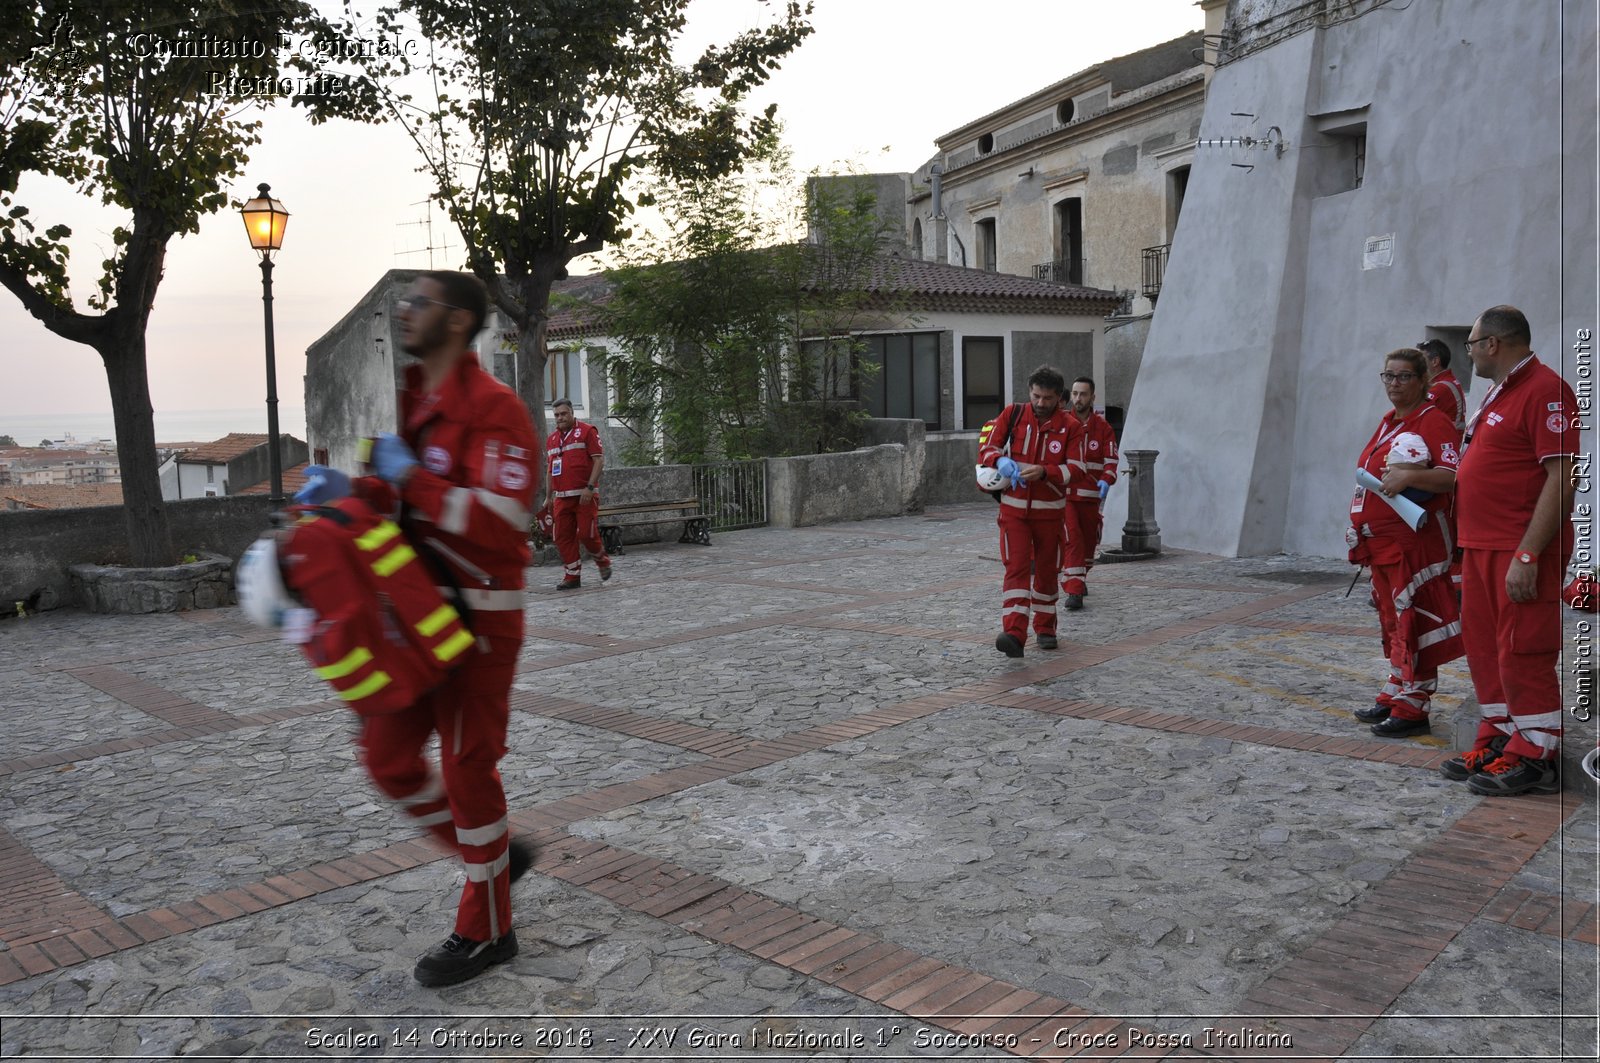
<point>1073,602</point>
<point>1373,714</point>
<point>459,958</point>
<point>1008,645</point>
<point>1465,765</point>
<point>521,855</point>
<point>1498,779</point>
<point>1047,642</point>
<point>569,585</point>
<point>1395,727</point>
<point>605,573</point>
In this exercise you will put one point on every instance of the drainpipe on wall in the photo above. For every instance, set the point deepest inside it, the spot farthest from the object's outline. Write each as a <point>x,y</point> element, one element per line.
<point>941,225</point>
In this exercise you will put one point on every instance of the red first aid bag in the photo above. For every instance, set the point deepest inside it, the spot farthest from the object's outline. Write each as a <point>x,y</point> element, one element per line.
<point>384,634</point>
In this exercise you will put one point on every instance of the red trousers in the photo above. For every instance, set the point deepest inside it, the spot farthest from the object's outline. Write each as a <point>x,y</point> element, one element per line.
<point>1031,553</point>
<point>1513,649</point>
<point>1413,667</point>
<point>578,525</point>
<point>462,802</point>
<point>1081,524</point>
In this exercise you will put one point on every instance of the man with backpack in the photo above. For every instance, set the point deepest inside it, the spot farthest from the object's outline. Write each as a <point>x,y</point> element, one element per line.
<point>462,471</point>
<point>1028,443</point>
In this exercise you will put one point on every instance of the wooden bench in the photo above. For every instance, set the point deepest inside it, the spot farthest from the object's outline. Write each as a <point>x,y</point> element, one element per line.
<point>615,519</point>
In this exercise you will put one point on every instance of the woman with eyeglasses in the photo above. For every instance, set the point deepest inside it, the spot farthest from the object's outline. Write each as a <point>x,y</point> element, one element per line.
<point>1414,453</point>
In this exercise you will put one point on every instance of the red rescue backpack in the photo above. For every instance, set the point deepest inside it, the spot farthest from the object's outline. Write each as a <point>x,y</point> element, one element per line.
<point>384,635</point>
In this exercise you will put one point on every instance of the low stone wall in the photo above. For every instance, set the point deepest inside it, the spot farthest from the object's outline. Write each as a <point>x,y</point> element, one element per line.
<point>912,435</point>
<point>203,584</point>
<point>822,488</point>
<point>40,546</point>
<point>947,474</point>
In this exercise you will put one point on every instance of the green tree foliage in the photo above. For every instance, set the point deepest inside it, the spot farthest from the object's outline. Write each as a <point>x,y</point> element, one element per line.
<point>731,344</point>
<point>102,95</point>
<point>544,111</point>
<point>7,441</point>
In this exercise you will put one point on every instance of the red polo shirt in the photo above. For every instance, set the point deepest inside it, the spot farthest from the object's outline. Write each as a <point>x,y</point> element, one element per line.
<point>1524,422</point>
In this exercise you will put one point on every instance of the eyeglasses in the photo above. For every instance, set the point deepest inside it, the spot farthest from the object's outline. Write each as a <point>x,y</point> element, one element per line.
<point>422,302</point>
<point>1472,343</point>
<point>1397,378</point>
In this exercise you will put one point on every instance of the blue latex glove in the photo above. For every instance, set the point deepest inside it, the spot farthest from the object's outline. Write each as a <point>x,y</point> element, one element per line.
<point>1104,487</point>
<point>1006,467</point>
<point>323,485</point>
<point>392,459</point>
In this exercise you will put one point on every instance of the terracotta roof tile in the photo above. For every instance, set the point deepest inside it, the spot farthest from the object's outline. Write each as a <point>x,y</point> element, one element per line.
<point>922,284</point>
<point>59,496</point>
<point>221,451</point>
<point>293,480</point>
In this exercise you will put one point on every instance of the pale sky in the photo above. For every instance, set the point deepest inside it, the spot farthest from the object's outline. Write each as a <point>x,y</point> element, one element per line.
<point>870,89</point>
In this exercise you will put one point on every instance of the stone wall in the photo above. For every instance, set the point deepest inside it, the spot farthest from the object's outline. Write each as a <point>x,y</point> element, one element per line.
<point>823,488</point>
<point>41,545</point>
<point>947,471</point>
<point>911,435</point>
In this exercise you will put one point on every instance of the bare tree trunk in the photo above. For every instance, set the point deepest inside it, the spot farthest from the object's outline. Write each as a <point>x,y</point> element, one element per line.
<point>149,535</point>
<point>531,359</point>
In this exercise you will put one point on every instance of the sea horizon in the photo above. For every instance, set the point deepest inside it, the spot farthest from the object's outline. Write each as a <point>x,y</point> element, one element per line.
<point>172,426</point>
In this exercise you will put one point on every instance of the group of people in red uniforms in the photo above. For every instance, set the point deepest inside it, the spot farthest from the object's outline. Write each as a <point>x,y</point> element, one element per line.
<point>1472,567</point>
<point>1480,574</point>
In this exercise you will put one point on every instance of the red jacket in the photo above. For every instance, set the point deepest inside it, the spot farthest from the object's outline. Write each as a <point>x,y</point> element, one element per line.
<point>1032,442</point>
<point>471,498</point>
<point>1092,459</point>
<point>1444,392</point>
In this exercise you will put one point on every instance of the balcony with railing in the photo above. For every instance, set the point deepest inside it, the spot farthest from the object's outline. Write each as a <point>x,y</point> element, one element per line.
<point>1061,271</point>
<point>1154,262</point>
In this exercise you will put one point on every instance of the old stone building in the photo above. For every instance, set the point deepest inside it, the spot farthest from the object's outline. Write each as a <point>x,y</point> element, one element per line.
<point>1369,174</point>
<point>1081,183</point>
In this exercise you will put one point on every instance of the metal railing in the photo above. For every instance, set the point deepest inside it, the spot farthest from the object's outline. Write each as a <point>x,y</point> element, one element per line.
<point>732,493</point>
<point>1061,271</point>
<point>1154,260</point>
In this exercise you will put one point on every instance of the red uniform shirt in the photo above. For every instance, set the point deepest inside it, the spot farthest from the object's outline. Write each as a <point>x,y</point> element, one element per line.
<point>472,495</point>
<point>1445,393</point>
<point>1523,422</point>
<point>1032,442</point>
<point>1439,433</point>
<point>1092,458</point>
<point>571,455</point>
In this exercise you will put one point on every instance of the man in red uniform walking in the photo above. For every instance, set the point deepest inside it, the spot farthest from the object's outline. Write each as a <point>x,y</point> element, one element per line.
<point>1513,504</point>
<point>461,470</point>
<point>1092,469</point>
<point>1029,442</point>
<point>576,461</point>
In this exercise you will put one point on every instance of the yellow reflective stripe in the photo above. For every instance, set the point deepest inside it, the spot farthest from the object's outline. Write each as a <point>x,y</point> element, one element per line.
<point>394,559</point>
<point>436,621</point>
<point>377,536</point>
<point>352,660</point>
<point>370,685</point>
<point>451,648</point>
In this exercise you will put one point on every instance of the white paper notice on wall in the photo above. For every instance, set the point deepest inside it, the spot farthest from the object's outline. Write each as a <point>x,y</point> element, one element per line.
<point>1379,252</point>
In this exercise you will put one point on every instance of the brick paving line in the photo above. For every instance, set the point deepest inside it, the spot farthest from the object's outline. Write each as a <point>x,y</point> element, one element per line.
<point>156,655</point>
<point>153,739</point>
<point>147,697</point>
<point>739,627</point>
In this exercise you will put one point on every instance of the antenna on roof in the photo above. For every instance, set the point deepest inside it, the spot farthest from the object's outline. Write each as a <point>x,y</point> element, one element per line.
<point>426,222</point>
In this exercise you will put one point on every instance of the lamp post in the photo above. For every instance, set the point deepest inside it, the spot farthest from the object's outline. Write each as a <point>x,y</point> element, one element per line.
<point>264,222</point>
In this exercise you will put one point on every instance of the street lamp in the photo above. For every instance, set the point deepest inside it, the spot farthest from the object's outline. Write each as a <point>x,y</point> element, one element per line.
<point>264,222</point>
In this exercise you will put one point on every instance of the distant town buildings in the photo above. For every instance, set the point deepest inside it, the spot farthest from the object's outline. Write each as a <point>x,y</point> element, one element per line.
<point>61,477</point>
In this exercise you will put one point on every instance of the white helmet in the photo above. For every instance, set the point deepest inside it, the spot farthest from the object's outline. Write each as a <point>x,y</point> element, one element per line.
<point>991,479</point>
<point>262,595</point>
